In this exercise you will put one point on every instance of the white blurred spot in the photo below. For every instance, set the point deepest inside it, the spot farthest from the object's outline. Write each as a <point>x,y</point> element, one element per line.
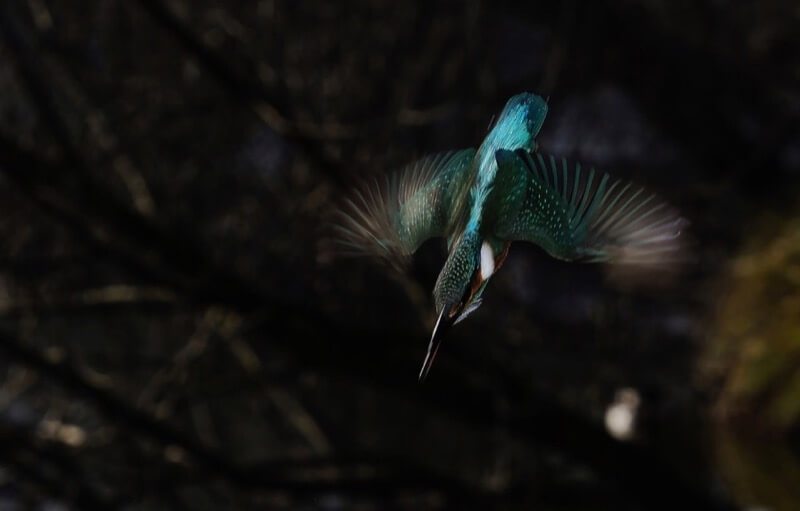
<point>55,430</point>
<point>620,415</point>
<point>72,435</point>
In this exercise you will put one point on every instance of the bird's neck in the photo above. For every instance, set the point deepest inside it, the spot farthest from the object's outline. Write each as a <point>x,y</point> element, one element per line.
<point>510,133</point>
<point>513,130</point>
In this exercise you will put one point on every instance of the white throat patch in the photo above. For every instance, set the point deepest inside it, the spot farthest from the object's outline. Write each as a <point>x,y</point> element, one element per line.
<point>487,261</point>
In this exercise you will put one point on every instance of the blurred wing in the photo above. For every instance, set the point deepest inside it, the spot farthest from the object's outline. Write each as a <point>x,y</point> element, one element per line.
<point>580,215</point>
<point>391,219</point>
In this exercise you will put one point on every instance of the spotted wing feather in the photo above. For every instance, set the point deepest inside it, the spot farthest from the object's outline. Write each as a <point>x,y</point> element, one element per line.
<point>582,215</point>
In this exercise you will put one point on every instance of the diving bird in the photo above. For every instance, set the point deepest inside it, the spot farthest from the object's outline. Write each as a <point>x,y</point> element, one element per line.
<point>480,201</point>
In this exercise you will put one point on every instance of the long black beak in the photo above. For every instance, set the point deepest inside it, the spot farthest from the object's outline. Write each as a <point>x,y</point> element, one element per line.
<point>443,325</point>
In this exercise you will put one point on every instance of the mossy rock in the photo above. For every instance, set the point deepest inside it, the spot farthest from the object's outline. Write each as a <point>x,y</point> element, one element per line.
<point>753,357</point>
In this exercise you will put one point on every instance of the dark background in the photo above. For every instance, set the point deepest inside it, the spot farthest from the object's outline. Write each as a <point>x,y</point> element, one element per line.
<point>171,336</point>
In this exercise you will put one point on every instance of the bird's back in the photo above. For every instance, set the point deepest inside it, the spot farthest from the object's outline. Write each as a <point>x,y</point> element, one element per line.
<point>516,128</point>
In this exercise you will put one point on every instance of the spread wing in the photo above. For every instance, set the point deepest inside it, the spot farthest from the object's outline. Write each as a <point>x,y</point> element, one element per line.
<point>581,215</point>
<point>391,218</point>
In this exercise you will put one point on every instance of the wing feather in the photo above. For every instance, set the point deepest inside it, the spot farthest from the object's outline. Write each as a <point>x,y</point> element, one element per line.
<point>584,216</point>
<point>391,217</point>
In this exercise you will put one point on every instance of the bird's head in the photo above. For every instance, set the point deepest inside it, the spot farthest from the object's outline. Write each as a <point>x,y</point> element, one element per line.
<point>460,284</point>
<point>519,122</point>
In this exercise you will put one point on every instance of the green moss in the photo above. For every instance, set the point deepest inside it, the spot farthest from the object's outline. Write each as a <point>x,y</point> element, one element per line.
<point>754,349</point>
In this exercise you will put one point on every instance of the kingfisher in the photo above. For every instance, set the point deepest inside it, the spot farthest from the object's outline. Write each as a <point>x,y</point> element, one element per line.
<point>481,200</point>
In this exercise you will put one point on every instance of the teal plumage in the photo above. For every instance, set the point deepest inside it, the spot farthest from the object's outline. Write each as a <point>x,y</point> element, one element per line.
<point>391,219</point>
<point>482,200</point>
<point>582,215</point>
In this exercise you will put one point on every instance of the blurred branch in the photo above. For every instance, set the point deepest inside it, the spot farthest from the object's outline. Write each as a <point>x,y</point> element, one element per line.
<point>50,467</point>
<point>264,477</point>
<point>90,300</point>
<point>293,411</point>
<point>138,241</point>
<point>140,246</point>
<point>274,111</point>
<point>29,62</point>
<point>259,101</point>
<point>62,372</point>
